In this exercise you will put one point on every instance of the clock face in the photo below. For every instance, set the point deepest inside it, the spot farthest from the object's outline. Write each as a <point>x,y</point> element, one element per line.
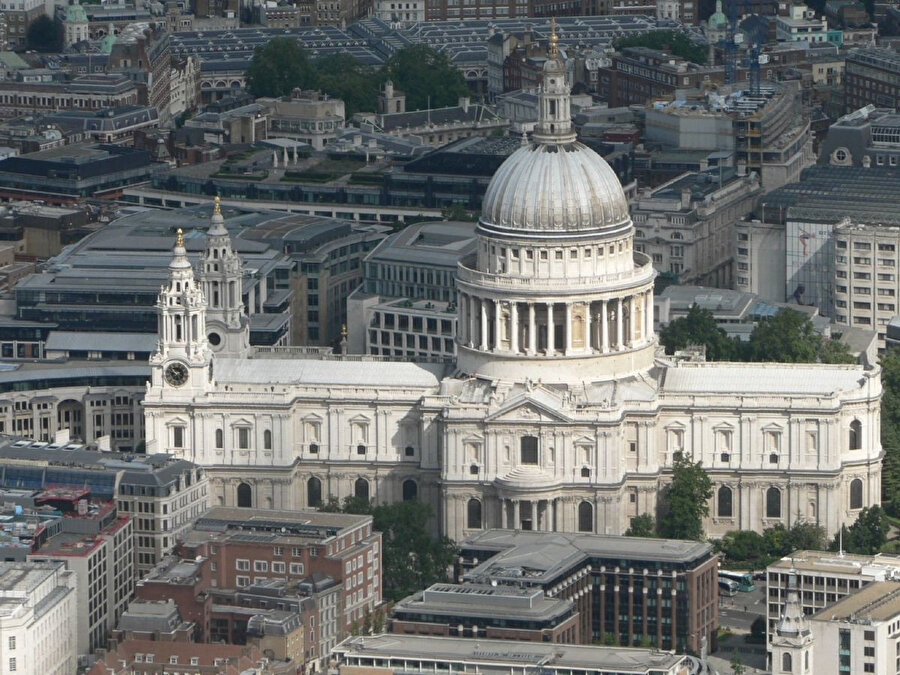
<point>176,374</point>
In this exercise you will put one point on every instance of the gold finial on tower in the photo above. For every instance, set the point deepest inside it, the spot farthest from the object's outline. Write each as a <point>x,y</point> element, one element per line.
<point>217,208</point>
<point>179,238</point>
<point>554,39</point>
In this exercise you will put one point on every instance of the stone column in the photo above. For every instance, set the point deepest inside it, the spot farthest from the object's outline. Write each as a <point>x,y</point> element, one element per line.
<point>497,319</point>
<point>649,314</point>
<point>517,522</point>
<point>532,330</point>
<point>551,505</point>
<point>568,347</point>
<point>514,326</point>
<point>551,347</point>
<point>588,338</point>
<point>463,325</point>
<point>604,326</point>
<point>473,322</point>
<point>484,330</point>
<point>631,320</point>
<point>619,327</point>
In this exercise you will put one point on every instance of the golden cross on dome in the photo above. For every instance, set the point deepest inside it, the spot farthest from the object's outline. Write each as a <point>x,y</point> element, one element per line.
<point>179,239</point>
<point>554,39</point>
<point>217,209</point>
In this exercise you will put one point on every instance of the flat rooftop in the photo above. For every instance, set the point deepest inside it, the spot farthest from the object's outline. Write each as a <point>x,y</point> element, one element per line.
<point>509,653</point>
<point>880,566</point>
<point>268,524</point>
<point>876,602</point>
<point>540,557</point>
<point>435,244</point>
<point>484,600</point>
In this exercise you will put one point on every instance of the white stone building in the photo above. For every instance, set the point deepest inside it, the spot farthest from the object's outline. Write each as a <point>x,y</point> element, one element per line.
<point>558,414</point>
<point>37,619</point>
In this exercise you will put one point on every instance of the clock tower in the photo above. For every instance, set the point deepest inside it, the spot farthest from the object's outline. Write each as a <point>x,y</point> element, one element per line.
<point>228,328</point>
<point>183,359</point>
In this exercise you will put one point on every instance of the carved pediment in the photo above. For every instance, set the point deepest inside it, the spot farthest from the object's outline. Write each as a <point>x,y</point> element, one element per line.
<point>530,408</point>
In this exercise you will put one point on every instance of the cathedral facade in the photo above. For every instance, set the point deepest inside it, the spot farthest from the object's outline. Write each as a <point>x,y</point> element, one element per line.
<point>560,414</point>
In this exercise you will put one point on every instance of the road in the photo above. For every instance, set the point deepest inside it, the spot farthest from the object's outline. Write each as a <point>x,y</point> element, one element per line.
<point>739,612</point>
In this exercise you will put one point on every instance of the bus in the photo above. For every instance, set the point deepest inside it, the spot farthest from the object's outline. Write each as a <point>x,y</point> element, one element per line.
<point>744,580</point>
<point>728,588</point>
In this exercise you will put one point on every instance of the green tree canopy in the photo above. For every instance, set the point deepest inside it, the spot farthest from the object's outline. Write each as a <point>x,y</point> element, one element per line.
<point>890,427</point>
<point>45,34</point>
<point>743,546</point>
<point>426,77</point>
<point>789,337</point>
<point>758,550</point>
<point>699,327</point>
<point>412,557</point>
<point>672,41</point>
<point>685,501</point>
<point>342,76</point>
<point>642,526</point>
<point>867,535</point>
<point>278,67</point>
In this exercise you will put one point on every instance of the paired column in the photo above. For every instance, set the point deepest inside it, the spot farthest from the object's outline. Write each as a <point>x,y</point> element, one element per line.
<point>473,322</point>
<point>484,327</point>
<point>551,329</point>
<point>604,325</point>
<point>497,317</point>
<point>517,522</point>
<point>619,326</point>
<point>631,319</point>
<point>532,331</point>
<point>588,337</point>
<point>514,327</point>
<point>568,334</point>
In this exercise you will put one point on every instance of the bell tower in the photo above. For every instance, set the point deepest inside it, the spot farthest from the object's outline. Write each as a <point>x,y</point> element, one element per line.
<point>228,330</point>
<point>792,644</point>
<point>554,110</point>
<point>182,358</point>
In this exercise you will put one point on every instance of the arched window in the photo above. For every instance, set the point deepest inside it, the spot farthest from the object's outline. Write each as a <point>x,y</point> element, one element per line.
<point>314,492</point>
<point>786,663</point>
<point>529,450</point>
<point>639,234</point>
<point>244,496</point>
<point>585,517</point>
<point>410,490</point>
<point>855,435</point>
<point>360,449</point>
<point>856,493</point>
<point>361,488</point>
<point>725,505</point>
<point>773,503</point>
<point>267,440</point>
<point>314,448</point>
<point>473,514</point>
<point>220,438</point>
<point>585,472</point>
<point>677,235</point>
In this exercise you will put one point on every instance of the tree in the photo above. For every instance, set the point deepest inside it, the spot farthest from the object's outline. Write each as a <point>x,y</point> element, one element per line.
<point>671,41</point>
<point>412,558</point>
<point>789,337</point>
<point>685,501</point>
<point>699,327</point>
<point>744,546</point>
<point>867,535</point>
<point>890,426</point>
<point>642,526</point>
<point>737,666</point>
<point>45,34</point>
<point>278,67</point>
<point>342,76</point>
<point>426,77</point>
<point>806,537</point>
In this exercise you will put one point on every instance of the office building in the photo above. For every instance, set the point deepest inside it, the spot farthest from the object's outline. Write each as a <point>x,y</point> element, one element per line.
<point>85,92</point>
<point>866,137</point>
<point>627,590</point>
<point>420,654</point>
<point>801,25</point>
<point>38,616</point>
<point>406,304</point>
<point>823,578</point>
<point>870,77</point>
<point>687,224</point>
<point>310,117</point>
<point>485,611</point>
<point>162,495</point>
<point>67,174</point>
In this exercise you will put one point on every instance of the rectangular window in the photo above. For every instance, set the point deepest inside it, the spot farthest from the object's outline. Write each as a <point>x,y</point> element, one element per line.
<point>178,437</point>
<point>529,450</point>
<point>243,438</point>
<point>278,567</point>
<point>296,568</point>
<point>12,641</point>
<point>242,565</point>
<point>260,566</point>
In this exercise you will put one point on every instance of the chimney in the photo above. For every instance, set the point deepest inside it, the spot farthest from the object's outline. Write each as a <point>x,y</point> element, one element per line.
<point>464,103</point>
<point>685,198</point>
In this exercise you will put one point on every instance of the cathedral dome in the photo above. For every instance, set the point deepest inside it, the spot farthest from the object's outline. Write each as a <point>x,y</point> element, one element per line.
<point>555,187</point>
